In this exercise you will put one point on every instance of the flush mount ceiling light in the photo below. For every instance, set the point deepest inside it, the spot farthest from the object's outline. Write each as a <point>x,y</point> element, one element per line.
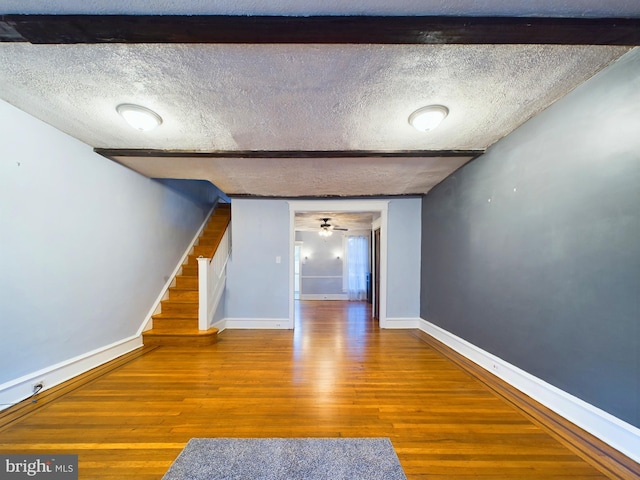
<point>138,117</point>
<point>428,118</point>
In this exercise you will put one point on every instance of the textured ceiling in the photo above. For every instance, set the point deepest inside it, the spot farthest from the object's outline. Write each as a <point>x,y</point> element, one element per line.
<point>304,177</point>
<point>310,221</point>
<point>298,97</point>
<point>292,97</point>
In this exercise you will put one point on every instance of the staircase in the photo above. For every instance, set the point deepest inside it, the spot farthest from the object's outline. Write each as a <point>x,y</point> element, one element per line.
<point>177,324</point>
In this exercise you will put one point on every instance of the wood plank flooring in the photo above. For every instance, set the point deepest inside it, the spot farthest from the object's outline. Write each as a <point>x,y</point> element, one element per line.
<point>335,375</point>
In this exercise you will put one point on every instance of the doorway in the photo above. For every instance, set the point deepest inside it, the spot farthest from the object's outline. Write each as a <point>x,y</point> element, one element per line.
<point>347,206</point>
<point>376,277</point>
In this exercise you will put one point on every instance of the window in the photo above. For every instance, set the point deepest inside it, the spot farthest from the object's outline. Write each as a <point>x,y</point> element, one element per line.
<point>357,267</point>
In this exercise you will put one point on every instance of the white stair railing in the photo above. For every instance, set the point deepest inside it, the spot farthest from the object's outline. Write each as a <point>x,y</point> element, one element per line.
<point>212,277</point>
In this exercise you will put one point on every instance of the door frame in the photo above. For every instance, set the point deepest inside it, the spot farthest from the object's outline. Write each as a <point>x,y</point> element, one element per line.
<point>297,263</point>
<point>381,206</point>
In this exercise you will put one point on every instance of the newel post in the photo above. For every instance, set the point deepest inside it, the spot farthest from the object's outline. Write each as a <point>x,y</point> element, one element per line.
<point>203,293</point>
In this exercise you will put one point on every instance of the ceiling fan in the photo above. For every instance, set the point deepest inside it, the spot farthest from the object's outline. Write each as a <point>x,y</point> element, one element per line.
<point>326,229</point>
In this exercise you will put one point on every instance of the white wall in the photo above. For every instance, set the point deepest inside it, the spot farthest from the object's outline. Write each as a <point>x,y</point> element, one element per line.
<point>85,246</point>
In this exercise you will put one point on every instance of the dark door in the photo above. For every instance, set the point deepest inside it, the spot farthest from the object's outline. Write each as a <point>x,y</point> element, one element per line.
<point>376,273</point>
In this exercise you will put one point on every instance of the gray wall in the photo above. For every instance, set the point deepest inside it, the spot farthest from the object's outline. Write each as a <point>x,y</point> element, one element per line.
<point>532,252</point>
<point>86,245</point>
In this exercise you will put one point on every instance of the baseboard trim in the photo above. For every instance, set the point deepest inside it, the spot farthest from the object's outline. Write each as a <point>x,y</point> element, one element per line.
<point>29,406</point>
<point>15,391</point>
<point>221,325</point>
<point>324,296</point>
<point>401,322</point>
<point>257,323</point>
<point>603,440</point>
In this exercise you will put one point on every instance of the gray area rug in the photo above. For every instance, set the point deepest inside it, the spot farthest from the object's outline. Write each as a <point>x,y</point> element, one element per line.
<point>287,458</point>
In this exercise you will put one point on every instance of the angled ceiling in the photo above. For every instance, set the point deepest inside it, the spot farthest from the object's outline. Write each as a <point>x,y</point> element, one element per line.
<point>294,106</point>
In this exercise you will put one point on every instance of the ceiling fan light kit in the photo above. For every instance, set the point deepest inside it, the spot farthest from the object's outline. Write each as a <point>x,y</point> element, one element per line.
<point>326,229</point>
<point>140,118</point>
<point>427,118</point>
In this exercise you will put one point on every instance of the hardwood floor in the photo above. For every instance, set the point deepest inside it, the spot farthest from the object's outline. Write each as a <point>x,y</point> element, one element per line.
<point>335,375</point>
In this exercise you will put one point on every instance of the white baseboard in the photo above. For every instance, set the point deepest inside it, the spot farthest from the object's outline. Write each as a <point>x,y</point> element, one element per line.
<point>21,388</point>
<point>324,296</point>
<point>257,323</point>
<point>400,323</point>
<point>620,435</point>
<point>221,325</point>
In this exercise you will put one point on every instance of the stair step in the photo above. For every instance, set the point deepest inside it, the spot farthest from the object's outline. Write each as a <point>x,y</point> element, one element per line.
<point>191,260</point>
<point>209,240</point>
<point>212,230</point>
<point>190,270</point>
<point>216,230</point>
<point>169,323</point>
<point>222,217</point>
<point>179,309</point>
<point>204,250</point>
<point>219,216</point>
<point>192,337</point>
<point>217,223</point>
<point>182,295</point>
<point>186,282</point>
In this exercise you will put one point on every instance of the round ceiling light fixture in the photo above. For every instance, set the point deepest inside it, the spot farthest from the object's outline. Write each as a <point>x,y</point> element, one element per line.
<point>427,118</point>
<point>140,118</point>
